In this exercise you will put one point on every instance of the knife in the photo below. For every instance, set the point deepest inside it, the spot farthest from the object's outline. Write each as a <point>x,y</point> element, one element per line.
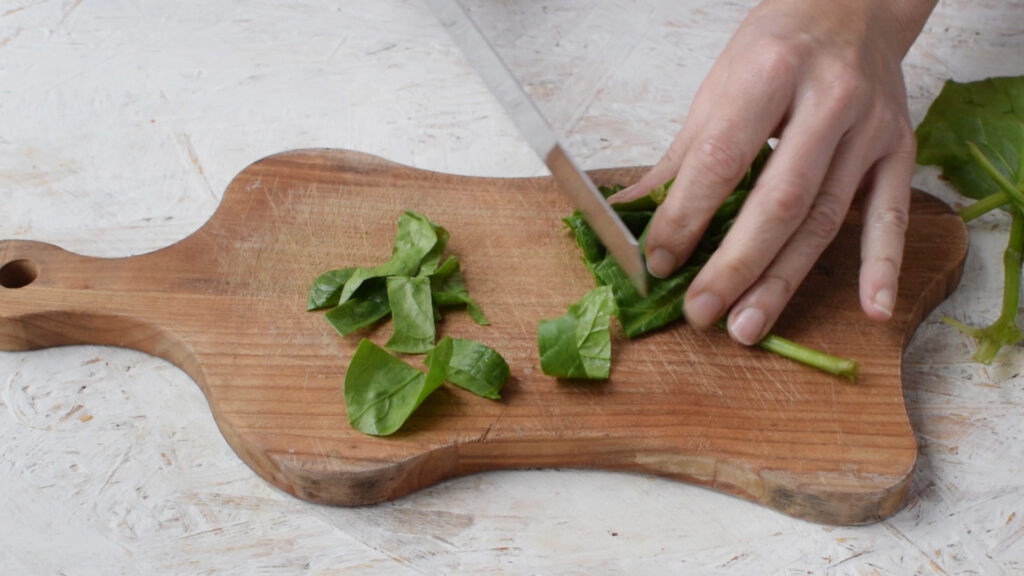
<point>542,138</point>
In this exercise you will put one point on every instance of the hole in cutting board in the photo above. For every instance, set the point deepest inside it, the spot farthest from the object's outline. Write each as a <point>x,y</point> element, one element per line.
<point>18,273</point>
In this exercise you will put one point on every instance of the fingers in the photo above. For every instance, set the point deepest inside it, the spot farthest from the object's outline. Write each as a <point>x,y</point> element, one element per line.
<point>776,208</point>
<point>886,216</point>
<point>712,153</point>
<point>758,309</point>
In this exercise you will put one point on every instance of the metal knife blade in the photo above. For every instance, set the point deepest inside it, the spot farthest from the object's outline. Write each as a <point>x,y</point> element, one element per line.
<point>542,138</point>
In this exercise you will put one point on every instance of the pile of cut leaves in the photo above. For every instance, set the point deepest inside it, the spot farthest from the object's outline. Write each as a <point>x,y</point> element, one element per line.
<point>975,132</point>
<point>382,390</point>
<point>578,344</point>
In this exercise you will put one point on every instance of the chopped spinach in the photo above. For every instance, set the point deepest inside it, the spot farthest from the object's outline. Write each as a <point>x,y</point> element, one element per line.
<point>381,391</point>
<point>448,288</point>
<point>578,344</point>
<point>476,367</point>
<point>361,311</point>
<point>413,314</point>
<point>326,290</point>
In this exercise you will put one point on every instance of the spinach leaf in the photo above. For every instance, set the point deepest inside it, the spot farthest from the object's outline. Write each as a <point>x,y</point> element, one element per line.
<point>642,314</point>
<point>988,114</point>
<point>975,133</point>
<point>362,310</point>
<point>326,289</point>
<point>476,367</point>
<point>449,289</point>
<point>415,247</point>
<point>578,345</point>
<point>381,391</point>
<point>413,314</point>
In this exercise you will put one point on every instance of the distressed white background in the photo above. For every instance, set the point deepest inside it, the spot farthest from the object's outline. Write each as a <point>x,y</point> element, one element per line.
<point>121,123</point>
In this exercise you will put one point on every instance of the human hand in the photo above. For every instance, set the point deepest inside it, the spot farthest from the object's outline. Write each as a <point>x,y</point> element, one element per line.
<point>825,79</point>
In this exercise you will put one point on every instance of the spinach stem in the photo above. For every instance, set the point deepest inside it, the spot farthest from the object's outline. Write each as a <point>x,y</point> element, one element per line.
<point>985,205</point>
<point>1004,330</point>
<point>810,357</point>
<point>807,356</point>
<point>1015,194</point>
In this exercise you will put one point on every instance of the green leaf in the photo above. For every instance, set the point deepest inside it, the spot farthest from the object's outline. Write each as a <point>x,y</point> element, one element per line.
<point>448,288</point>
<point>413,314</point>
<point>578,344</point>
<point>361,311</point>
<point>381,391</point>
<point>432,259</point>
<point>476,368</point>
<point>642,314</point>
<point>413,249</point>
<point>326,289</point>
<point>975,133</point>
<point>988,114</point>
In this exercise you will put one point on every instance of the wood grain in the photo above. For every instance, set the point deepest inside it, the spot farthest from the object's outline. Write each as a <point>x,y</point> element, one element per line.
<point>227,305</point>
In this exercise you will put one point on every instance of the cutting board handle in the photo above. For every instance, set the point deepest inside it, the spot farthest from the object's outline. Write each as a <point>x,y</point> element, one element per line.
<point>53,297</point>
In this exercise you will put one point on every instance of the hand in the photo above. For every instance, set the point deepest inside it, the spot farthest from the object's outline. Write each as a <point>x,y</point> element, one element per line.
<point>825,79</point>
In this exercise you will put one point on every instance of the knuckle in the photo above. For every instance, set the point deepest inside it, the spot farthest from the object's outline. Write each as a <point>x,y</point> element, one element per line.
<point>778,57</point>
<point>740,271</point>
<point>824,221</point>
<point>893,220</point>
<point>786,202</point>
<point>780,286</point>
<point>721,158</point>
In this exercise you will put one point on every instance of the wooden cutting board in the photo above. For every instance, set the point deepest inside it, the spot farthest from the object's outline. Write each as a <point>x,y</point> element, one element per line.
<point>227,305</point>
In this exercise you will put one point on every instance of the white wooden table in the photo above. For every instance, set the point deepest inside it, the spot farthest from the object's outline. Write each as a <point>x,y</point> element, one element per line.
<point>121,123</point>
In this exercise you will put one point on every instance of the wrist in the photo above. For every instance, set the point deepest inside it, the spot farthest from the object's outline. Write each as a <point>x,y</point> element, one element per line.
<point>908,18</point>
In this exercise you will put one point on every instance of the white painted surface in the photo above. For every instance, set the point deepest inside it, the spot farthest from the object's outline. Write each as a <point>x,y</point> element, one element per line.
<point>121,123</point>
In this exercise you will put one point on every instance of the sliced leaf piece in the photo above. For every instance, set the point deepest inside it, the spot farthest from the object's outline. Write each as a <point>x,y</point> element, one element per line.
<point>326,289</point>
<point>448,288</point>
<point>578,345</point>
<point>432,260</point>
<point>361,311</point>
<point>476,367</point>
<point>414,242</point>
<point>381,391</point>
<point>413,314</point>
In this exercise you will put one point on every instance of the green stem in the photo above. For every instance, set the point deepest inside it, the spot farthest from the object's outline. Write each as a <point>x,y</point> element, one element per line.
<point>809,356</point>
<point>1015,194</point>
<point>985,205</point>
<point>1011,267</point>
<point>1004,330</point>
<point>806,356</point>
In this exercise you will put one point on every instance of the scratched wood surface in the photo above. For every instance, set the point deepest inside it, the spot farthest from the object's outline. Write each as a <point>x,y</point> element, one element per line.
<point>123,124</point>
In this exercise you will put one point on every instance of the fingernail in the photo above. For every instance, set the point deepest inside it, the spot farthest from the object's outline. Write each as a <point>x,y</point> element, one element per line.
<point>703,309</point>
<point>748,325</point>
<point>661,263</point>
<point>884,301</point>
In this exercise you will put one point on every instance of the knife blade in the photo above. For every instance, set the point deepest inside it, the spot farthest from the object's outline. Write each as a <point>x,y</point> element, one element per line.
<point>542,138</point>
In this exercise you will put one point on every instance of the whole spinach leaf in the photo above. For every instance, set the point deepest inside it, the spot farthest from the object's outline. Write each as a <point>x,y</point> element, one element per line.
<point>578,344</point>
<point>381,391</point>
<point>476,367</point>
<point>413,313</point>
<point>975,132</point>
<point>988,114</point>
